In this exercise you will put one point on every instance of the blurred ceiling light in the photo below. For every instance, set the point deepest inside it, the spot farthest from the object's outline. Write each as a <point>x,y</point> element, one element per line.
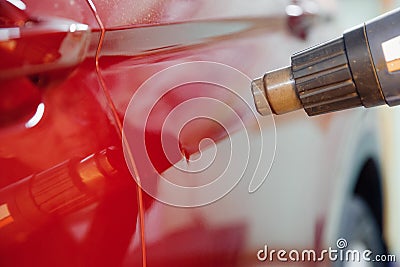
<point>294,10</point>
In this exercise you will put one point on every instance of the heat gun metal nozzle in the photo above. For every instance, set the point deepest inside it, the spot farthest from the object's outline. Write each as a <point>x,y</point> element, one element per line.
<point>276,90</point>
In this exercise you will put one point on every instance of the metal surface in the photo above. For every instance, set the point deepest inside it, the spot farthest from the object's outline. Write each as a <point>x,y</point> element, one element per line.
<point>281,91</point>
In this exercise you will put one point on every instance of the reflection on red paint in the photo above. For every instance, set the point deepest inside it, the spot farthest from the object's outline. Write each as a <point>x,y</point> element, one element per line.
<point>58,191</point>
<point>11,15</point>
<point>66,196</point>
<point>42,46</point>
<point>5,216</point>
<point>199,245</point>
<point>19,99</point>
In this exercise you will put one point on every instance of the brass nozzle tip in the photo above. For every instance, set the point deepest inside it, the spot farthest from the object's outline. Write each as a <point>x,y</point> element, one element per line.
<point>276,92</point>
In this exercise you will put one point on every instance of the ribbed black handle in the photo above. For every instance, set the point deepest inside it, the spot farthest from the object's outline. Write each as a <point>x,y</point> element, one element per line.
<point>323,79</point>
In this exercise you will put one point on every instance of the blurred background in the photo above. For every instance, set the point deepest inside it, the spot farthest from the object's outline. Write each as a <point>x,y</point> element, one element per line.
<point>390,123</point>
<point>389,119</point>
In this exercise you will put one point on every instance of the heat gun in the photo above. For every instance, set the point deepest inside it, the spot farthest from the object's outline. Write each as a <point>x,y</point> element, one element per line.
<point>359,68</point>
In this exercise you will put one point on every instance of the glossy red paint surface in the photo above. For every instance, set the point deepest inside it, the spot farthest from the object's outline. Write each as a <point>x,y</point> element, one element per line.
<point>66,195</point>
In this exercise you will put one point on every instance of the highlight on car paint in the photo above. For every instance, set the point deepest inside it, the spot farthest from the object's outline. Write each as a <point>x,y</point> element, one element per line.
<point>212,138</point>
